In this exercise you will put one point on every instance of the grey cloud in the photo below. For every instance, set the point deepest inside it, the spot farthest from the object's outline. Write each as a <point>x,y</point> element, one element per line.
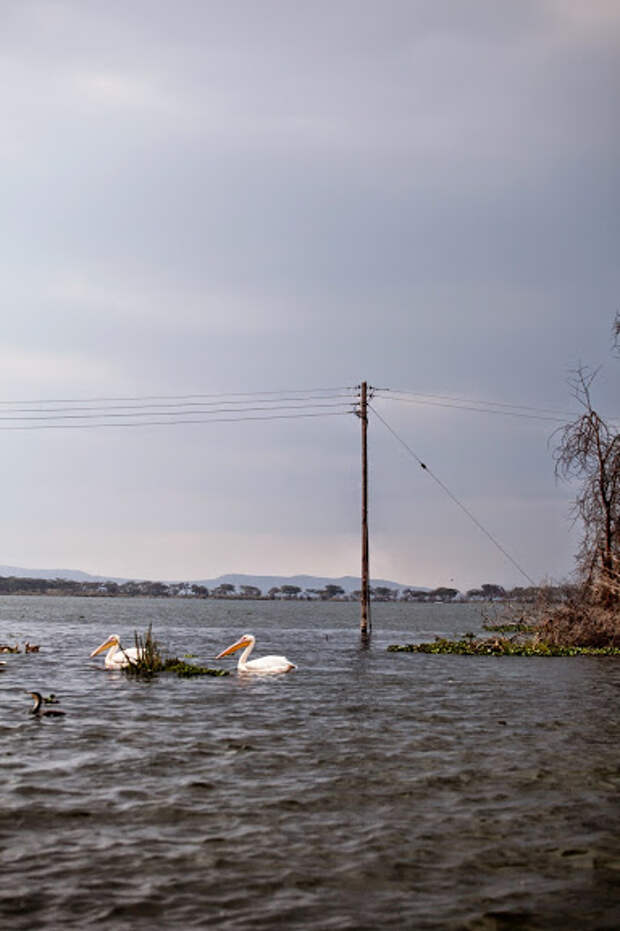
<point>232,196</point>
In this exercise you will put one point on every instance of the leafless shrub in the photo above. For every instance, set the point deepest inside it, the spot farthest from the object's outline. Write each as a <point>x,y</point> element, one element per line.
<point>579,624</point>
<point>588,449</point>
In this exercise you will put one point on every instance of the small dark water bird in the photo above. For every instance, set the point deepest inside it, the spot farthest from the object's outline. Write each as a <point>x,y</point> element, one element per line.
<point>43,712</point>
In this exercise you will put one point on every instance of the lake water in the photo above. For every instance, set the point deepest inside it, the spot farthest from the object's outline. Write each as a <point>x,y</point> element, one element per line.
<point>365,790</point>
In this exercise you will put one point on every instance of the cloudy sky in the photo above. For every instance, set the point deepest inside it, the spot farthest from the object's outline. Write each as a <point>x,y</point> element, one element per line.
<point>235,198</point>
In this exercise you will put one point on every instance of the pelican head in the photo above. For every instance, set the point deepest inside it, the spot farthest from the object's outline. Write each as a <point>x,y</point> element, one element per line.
<point>113,641</point>
<point>246,640</point>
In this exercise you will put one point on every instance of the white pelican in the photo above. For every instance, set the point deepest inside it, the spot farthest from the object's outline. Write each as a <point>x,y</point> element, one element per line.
<point>117,657</point>
<point>266,664</point>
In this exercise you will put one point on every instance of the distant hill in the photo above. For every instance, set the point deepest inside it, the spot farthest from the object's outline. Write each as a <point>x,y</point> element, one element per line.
<point>74,575</point>
<point>348,582</point>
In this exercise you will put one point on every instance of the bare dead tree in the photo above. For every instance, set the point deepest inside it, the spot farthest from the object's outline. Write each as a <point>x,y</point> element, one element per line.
<point>588,449</point>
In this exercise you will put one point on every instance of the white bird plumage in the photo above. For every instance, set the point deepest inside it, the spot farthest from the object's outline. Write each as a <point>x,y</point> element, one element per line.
<point>266,665</point>
<point>117,657</point>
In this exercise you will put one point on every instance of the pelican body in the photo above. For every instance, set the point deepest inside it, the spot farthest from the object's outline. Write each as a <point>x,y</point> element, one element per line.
<point>117,657</point>
<point>266,665</point>
<point>43,712</point>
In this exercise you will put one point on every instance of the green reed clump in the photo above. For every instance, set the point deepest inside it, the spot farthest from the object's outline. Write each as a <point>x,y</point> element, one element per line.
<point>149,660</point>
<point>501,647</point>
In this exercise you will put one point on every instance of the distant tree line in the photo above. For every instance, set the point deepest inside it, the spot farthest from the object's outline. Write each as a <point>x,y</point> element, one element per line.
<point>13,585</point>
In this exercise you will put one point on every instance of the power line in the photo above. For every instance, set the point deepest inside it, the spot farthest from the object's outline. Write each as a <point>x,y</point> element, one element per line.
<point>449,397</point>
<point>487,410</point>
<point>423,465</point>
<point>166,423</point>
<point>176,406</point>
<point>465,407</point>
<point>484,407</point>
<point>179,397</point>
<point>174,413</point>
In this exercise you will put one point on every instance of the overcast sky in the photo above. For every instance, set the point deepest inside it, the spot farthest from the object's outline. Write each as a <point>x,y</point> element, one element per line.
<point>223,197</point>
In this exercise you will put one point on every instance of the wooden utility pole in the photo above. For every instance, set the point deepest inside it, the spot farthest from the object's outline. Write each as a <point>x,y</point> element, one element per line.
<point>365,626</point>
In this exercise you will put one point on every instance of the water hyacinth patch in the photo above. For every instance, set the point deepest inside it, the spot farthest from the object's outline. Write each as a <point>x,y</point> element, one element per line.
<point>187,670</point>
<point>500,647</point>
<point>518,627</point>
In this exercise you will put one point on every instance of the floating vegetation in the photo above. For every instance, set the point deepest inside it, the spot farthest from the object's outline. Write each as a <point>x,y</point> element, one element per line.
<point>188,670</point>
<point>150,661</point>
<point>501,647</point>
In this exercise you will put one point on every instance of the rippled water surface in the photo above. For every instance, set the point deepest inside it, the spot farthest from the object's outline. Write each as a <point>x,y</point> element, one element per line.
<point>365,790</point>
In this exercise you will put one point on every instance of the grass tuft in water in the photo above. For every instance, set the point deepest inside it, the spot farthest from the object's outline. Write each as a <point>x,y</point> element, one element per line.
<point>150,661</point>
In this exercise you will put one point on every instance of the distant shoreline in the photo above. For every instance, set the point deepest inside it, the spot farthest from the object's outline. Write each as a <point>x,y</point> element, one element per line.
<point>226,591</point>
<point>346,599</point>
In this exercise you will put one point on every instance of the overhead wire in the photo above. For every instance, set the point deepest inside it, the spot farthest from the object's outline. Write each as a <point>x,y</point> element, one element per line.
<point>481,410</point>
<point>174,413</point>
<point>160,410</point>
<point>165,423</point>
<point>485,407</point>
<point>452,496</point>
<point>164,404</point>
<point>504,404</point>
<point>180,397</point>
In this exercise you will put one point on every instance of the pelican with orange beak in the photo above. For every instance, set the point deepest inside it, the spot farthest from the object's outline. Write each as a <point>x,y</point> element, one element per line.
<point>117,657</point>
<point>266,665</point>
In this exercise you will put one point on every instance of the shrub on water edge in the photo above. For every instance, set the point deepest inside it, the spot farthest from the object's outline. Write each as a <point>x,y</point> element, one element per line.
<point>579,620</point>
<point>580,624</point>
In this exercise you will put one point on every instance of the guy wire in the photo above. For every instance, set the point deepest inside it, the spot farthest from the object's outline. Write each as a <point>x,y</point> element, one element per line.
<point>453,497</point>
